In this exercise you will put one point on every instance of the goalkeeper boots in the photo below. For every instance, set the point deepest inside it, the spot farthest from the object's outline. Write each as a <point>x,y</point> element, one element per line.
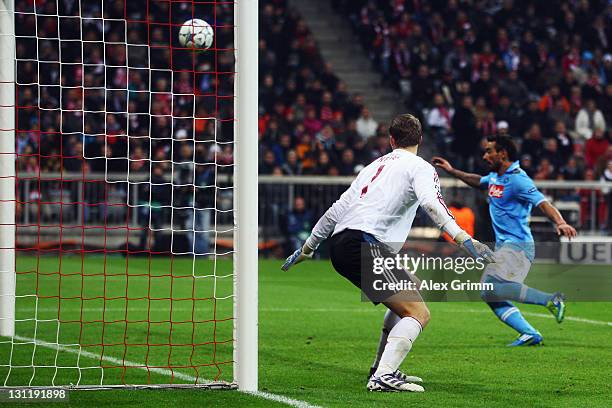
<point>527,340</point>
<point>390,383</point>
<point>398,374</point>
<point>556,306</point>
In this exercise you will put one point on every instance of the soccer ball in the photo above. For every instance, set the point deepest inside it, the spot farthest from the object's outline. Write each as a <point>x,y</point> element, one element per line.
<point>196,33</point>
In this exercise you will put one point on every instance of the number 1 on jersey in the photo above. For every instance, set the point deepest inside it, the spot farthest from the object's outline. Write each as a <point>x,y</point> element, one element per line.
<point>364,190</point>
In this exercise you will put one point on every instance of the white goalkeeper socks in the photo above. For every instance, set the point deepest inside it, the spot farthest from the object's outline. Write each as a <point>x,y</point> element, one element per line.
<point>389,322</point>
<point>399,343</point>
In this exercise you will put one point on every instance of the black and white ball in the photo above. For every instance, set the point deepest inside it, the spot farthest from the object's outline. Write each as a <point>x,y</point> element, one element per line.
<point>196,33</point>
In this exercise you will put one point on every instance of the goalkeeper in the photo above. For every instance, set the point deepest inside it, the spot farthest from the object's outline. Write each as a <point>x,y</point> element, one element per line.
<point>512,194</point>
<point>373,219</point>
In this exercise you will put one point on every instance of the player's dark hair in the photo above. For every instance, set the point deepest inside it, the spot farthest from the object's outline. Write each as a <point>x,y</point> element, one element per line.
<point>503,142</point>
<point>406,130</point>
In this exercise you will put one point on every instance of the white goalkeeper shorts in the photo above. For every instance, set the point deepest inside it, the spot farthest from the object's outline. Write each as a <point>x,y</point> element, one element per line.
<point>510,264</point>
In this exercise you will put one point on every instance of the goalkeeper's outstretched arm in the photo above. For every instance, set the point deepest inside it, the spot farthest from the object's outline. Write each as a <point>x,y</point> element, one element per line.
<point>326,224</point>
<point>324,227</point>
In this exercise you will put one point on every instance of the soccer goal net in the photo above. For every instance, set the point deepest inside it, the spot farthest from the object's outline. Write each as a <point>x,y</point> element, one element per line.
<point>124,258</point>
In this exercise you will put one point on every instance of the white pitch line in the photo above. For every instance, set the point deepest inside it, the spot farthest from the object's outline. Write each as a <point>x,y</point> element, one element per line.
<point>163,371</point>
<point>112,360</point>
<point>571,318</point>
<point>546,316</point>
<point>282,399</point>
<point>326,310</point>
<point>342,310</point>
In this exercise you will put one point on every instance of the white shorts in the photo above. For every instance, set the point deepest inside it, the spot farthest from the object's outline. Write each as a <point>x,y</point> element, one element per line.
<point>511,265</point>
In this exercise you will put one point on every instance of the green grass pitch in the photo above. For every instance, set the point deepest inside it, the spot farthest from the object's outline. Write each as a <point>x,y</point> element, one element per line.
<point>317,340</point>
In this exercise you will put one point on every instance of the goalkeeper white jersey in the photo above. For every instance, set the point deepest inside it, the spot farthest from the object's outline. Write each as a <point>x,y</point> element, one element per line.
<point>383,201</point>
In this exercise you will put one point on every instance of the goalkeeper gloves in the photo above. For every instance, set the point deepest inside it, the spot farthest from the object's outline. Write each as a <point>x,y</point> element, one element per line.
<point>474,248</point>
<point>298,256</point>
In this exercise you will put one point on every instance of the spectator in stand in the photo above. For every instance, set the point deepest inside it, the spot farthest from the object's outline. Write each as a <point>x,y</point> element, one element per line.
<point>381,147</point>
<point>323,164</point>
<point>602,162</point>
<point>483,85</point>
<point>312,124</point>
<point>572,171</point>
<point>351,135</point>
<point>347,164</point>
<point>423,89</point>
<point>439,121</point>
<point>503,128</point>
<point>551,154</point>
<point>515,89</point>
<point>549,98</point>
<point>326,138</point>
<point>530,116</point>
<point>366,125</point>
<point>340,144</point>
<point>565,144</point>
<point>362,152</point>
<point>589,119</point>
<point>487,125</point>
<point>533,145</point>
<point>306,152</point>
<point>268,163</point>
<point>268,93</point>
<point>546,170</point>
<point>527,165</point>
<point>466,137</point>
<point>506,112</point>
<point>558,113</point>
<point>595,148</point>
<point>292,166</point>
<point>512,57</point>
<point>281,148</point>
<point>353,108</point>
<point>299,224</point>
<point>327,111</point>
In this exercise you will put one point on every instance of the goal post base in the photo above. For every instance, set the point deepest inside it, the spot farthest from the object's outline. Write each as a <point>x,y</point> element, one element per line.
<point>220,385</point>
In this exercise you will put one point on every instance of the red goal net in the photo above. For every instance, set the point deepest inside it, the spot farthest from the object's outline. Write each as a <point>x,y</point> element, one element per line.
<point>123,195</point>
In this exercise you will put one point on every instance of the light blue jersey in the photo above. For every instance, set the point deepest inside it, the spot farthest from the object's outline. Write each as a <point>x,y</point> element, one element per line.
<point>511,198</point>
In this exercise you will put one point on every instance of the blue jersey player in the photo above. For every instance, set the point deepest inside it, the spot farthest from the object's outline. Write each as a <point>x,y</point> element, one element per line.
<point>512,195</point>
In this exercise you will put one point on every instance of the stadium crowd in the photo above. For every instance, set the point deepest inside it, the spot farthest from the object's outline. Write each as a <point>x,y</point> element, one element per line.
<point>473,68</point>
<point>105,87</point>
<point>119,96</point>
<point>468,69</point>
<point>309,123</point>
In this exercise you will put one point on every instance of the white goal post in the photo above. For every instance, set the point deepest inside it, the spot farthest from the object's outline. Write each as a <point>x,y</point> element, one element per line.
<point>246,193</point>
<point>7,169</point>
<point>243,281</point>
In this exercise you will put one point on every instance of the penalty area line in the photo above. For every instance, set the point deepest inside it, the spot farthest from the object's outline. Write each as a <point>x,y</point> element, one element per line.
<point>162,371</point>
